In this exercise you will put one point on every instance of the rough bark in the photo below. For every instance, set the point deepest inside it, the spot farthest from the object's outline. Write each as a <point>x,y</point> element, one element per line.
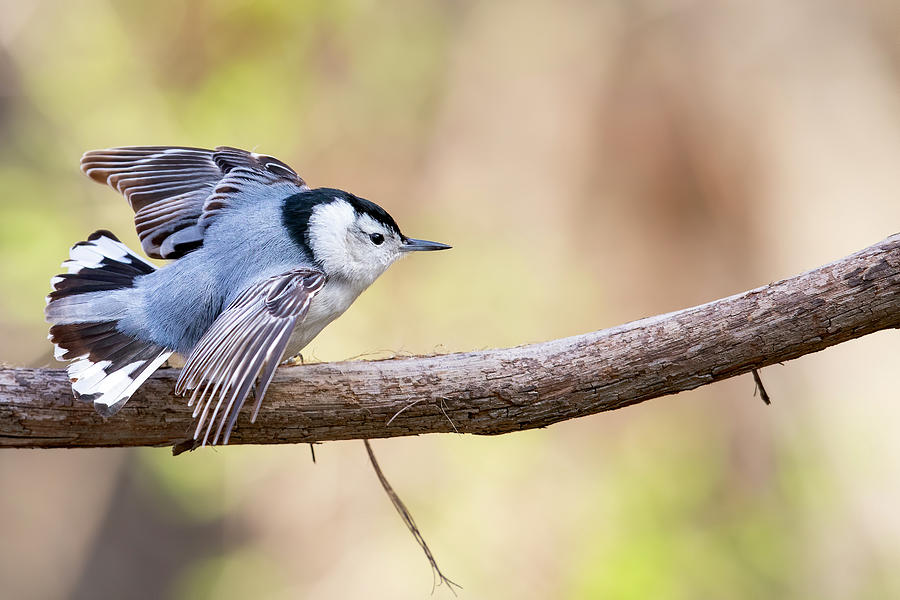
<point>495,391</point>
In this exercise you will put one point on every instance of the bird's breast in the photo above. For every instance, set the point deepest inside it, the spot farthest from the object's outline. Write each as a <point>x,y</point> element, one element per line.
<point>335,297</point>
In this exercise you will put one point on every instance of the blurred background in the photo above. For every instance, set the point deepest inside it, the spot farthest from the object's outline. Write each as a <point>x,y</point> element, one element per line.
<point>592,163</point>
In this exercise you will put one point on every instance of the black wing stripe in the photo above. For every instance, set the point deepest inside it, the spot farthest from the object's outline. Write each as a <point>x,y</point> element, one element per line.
<point>242,373</point>
<point>168,187</point>
<point>245,374</point>
<point>206,348</point>
<point>216,376</point>
<point>246,340</point>
<point>270,355</point>
<point>269,369</point>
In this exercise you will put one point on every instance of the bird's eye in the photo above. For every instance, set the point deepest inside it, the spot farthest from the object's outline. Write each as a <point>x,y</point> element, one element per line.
<point>376,238</point>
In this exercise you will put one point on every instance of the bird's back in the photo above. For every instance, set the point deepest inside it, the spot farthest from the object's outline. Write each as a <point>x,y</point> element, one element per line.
<point>178,303</point>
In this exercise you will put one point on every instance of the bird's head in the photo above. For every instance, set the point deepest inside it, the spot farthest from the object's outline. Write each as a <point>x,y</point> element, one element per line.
<point>348,236</point>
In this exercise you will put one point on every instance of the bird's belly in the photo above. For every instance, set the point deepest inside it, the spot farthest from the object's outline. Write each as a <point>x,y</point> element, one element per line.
<point>326,306</point>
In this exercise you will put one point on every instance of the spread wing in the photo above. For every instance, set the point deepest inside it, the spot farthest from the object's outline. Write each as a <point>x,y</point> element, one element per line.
<point>175,192</point>
<point>247,339</point>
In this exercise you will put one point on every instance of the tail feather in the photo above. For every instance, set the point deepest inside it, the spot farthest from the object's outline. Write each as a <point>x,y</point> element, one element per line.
<point>107,365</point>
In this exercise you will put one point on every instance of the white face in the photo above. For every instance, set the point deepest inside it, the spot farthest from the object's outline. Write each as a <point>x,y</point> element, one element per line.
<point>356,247</point>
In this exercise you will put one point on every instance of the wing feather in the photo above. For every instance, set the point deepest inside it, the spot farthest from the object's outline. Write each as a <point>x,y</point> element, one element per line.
<point>171,188</point>
<point>245,341</point>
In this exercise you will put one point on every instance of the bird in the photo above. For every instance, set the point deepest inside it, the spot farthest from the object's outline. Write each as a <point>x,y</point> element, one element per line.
<point>260,264</point>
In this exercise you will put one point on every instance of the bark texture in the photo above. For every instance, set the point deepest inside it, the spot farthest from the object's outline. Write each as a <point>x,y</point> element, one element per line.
<point>495,391</point>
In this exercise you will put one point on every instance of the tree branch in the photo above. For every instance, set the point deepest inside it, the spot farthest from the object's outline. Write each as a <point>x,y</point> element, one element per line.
<point>495,391</point>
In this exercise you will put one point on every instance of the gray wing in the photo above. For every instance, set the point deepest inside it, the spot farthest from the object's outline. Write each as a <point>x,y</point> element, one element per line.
<point>247,339</point>
<point>175,191</point>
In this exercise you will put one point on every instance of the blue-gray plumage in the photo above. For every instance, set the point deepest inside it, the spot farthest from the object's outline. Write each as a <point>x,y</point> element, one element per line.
<point>263,264</point>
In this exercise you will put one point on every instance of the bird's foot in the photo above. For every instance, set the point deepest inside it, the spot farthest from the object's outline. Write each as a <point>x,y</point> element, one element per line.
<point>294,361</point>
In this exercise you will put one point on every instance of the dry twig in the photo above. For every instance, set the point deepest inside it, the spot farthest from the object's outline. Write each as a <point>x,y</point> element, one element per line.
<point>496,391</point>
<point>410,523</point>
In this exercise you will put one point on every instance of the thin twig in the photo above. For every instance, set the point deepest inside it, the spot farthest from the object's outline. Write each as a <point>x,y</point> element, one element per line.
<point>760,387</point>
<point>188,445</point>
<point>397,414</point>
<point>452,424</point>
<point>440,578</point>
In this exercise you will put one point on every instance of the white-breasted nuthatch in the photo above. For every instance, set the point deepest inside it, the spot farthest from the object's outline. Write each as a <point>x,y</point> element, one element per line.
<point>262,264</point>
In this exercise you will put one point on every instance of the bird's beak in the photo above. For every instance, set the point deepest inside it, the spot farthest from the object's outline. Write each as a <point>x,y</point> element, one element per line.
<point>414,245</point>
